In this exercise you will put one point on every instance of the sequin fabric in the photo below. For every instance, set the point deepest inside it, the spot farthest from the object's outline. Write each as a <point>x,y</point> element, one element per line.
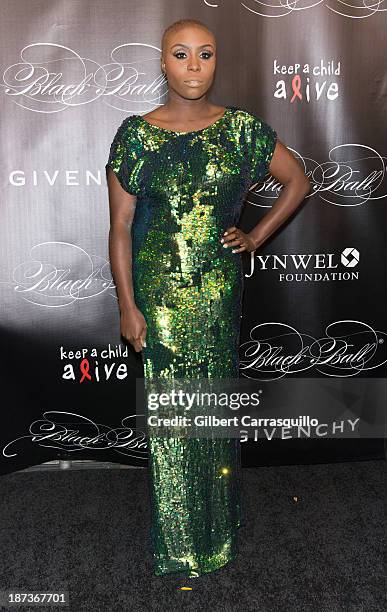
<point>190,187</point>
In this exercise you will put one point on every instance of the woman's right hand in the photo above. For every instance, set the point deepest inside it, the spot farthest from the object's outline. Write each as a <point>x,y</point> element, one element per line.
<point>133,327</point>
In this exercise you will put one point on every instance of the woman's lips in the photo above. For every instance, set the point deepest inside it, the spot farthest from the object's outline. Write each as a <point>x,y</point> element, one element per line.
<point>193,83</point>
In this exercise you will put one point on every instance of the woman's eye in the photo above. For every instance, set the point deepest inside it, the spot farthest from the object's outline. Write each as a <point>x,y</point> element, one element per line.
<point>179,53</point>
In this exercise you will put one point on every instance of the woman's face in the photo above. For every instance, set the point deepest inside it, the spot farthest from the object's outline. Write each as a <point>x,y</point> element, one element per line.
<point>189,58</point>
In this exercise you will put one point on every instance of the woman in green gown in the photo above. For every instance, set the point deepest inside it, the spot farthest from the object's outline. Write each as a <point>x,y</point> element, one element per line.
<point>179,190</point>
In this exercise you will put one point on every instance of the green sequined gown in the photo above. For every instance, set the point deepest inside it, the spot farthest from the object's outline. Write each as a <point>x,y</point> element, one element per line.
<point>190,187</point>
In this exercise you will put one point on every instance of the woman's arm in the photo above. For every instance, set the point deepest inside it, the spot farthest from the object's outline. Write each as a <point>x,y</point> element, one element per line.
<point>296,186</point>
<point>122,206</point>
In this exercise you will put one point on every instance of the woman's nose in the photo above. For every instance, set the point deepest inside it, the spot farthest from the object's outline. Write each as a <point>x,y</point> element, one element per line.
<point>193,65</point>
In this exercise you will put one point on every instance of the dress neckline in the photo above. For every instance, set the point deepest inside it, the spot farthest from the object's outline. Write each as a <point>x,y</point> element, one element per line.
<point>157,127</point>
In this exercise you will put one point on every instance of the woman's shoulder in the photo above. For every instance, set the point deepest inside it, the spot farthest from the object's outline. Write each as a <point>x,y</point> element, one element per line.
<point>130,121</point>
<point>245,115</point>
<point>128,131</point>
<point>252,125</point>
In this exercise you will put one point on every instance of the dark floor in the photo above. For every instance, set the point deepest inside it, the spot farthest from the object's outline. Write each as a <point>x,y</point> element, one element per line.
<point>87,532</point>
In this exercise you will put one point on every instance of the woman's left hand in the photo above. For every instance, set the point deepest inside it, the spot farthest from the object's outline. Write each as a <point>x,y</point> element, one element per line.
<point>234,237</point>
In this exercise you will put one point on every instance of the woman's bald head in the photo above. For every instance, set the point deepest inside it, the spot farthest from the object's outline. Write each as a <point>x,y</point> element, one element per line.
<point>181,24</point>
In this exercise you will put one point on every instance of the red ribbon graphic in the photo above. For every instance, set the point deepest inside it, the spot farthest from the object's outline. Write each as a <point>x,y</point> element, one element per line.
<point>85,367</point>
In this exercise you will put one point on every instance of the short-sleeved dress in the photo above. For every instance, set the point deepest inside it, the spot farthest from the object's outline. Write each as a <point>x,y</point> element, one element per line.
<point>190,187</point>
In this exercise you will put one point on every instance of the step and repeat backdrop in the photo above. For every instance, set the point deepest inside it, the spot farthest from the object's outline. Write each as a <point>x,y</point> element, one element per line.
<point>315,292</point>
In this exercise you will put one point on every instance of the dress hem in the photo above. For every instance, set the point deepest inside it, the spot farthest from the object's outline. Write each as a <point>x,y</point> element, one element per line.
<point>197,571</point>
<point>194,572</point>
